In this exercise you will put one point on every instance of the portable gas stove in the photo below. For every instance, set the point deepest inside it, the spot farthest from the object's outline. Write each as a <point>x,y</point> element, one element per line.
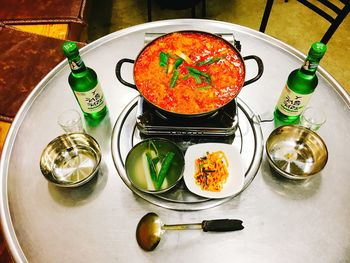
<point>219,126</point>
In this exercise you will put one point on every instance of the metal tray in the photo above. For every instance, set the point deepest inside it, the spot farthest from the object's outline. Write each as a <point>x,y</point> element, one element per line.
<point>248,137</point>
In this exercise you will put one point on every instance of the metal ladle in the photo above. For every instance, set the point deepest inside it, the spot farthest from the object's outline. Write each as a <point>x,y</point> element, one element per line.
<point>150,229</point>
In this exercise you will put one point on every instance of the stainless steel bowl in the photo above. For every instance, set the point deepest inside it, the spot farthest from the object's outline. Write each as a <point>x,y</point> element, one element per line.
<point>137,166</point>
<point>296,152</point>
<point>70,160</point>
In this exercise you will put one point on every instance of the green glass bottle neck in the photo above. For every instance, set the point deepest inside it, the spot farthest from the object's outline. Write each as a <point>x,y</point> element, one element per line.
<point>310,65</point>
<point>76,64</point>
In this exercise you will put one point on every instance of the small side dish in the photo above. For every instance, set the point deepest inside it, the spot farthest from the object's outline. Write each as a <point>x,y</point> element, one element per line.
<point>154,165</point>
<point>214,170</point>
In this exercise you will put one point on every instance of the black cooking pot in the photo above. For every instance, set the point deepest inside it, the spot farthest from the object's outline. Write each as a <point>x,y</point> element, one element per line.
<point>175,114</point>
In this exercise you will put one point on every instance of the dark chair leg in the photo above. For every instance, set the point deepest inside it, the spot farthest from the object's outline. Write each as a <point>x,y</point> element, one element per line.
<point>204,8</point>
<point>149,8</point>
<point>266,15</point>
<point>334,26</point>
<point>193,11</point>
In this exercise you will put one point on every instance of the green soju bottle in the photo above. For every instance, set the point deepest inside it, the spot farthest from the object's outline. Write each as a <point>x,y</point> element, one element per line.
<point>84,83</point>
<point>300,85</point>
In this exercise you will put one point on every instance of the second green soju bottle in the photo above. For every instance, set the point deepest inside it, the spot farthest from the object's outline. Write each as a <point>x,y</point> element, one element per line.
<point>84,83</point>
<point>300,85</point>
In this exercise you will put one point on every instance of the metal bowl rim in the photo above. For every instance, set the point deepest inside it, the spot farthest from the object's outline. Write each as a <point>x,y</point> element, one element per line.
<point>48,176</point>
<point>287,174</point>
<point>156,139</point>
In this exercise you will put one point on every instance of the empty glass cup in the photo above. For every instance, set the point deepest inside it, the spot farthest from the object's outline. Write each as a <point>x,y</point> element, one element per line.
<point>312,118</point>
<point>70,121</point>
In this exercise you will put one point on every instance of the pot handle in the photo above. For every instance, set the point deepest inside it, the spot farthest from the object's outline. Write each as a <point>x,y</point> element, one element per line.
<point>118,68</point>
<point>260,69</point>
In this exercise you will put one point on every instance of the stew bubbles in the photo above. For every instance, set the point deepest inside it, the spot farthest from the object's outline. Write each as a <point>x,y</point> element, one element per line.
<point>189,72</point>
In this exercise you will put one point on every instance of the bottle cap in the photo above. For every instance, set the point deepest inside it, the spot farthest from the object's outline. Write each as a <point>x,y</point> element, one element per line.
<point>317,50</point>
<point>70,49</point>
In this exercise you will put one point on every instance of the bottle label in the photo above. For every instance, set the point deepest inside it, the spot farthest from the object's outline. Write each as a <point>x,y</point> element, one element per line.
<point>75,64</point>
<point>291,103</point>
<point>91,101</point>
<point>308,64</point>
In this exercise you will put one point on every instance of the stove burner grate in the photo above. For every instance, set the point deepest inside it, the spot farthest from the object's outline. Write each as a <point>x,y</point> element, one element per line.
<point>222,123</point>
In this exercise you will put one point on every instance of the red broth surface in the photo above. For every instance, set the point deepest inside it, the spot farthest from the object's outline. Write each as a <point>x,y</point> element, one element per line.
<point>189,72</point>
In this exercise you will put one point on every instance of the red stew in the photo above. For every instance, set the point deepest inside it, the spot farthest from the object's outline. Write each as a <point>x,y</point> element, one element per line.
<point>189,72</point>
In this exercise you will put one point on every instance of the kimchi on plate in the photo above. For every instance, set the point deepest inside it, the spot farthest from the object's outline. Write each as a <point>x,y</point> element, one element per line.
<point>214,170</point>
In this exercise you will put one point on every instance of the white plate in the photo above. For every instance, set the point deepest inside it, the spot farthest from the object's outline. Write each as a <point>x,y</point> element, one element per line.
<point>235,180</point>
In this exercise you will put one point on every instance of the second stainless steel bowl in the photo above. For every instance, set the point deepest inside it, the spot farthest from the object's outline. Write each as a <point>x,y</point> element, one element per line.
<point>296,152</point>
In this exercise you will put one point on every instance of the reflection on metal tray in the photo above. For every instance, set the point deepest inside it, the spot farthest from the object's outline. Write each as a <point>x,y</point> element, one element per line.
<point>247,137</point>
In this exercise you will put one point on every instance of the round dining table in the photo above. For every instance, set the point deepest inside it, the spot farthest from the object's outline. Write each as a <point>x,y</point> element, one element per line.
<point>284,220</point>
